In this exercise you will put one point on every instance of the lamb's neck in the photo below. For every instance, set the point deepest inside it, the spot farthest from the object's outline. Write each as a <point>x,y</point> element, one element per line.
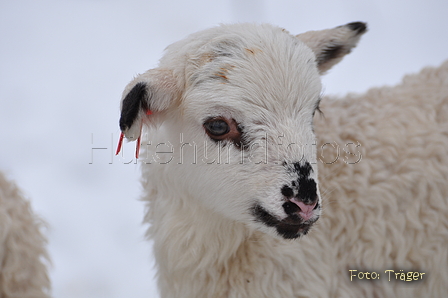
<point>196,249</point>
<point>191,235</point>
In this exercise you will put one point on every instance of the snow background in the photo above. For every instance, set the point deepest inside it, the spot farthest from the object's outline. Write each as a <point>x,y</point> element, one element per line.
<point>63,66</point>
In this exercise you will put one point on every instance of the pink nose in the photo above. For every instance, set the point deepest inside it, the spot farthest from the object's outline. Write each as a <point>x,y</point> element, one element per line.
<point>306,211</point>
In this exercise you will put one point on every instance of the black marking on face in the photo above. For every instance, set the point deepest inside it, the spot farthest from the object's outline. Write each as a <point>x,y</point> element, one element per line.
<point>306,187</point>
<point>134,101</point>
<point>303,170</point>
<point>291,227</point>
<point>262,215</point>
<point>290,208</point>
<point>287,191</point>
<point>307,191</point>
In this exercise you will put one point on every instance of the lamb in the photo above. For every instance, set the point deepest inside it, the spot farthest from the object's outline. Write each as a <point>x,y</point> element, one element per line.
<point>230,167</point>
<point>23,254</point>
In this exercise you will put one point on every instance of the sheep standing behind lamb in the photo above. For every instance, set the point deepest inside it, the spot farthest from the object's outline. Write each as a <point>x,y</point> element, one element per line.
<point>230,170</point>
<point>388,213</point>
<point>23,254</point>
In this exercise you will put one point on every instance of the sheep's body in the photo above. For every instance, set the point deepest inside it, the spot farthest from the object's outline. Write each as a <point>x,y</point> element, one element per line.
<point>385,198</point>
<point>23,256</point>
<point>389,211</point>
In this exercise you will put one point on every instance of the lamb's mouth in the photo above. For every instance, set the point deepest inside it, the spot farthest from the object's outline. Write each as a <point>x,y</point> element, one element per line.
<point>291,227</point>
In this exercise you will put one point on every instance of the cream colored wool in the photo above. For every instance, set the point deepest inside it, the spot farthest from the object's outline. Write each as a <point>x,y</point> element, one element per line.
<point>390,210</point>
<point>23,256</point>
<point>381,158</point>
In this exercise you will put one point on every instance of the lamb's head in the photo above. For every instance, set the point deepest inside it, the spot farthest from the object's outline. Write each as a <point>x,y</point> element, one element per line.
<point>234,107</point>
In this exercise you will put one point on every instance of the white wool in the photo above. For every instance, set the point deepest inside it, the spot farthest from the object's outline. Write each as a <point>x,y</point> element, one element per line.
<point>23,256</point>
<point>384,193</point>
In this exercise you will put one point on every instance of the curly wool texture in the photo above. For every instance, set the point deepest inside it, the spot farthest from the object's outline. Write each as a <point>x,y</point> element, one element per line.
<point>389,211</point>
<point>24,259</point>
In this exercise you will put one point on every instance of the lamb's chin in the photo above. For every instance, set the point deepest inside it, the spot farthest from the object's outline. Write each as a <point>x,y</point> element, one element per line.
<point>293,231</point>
<point>291,227</point>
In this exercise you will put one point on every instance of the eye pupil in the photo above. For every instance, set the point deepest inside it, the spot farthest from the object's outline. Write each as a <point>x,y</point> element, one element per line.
<point>217,127</point>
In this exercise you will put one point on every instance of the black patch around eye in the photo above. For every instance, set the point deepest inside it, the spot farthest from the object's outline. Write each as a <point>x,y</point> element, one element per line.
<point>132,103</point>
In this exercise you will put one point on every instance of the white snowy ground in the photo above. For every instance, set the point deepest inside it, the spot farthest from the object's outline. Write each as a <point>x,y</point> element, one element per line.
<point>63,65</point>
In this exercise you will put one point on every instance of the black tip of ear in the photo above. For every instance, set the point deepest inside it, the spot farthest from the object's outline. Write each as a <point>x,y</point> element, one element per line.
<point>358,27</point>
<point>132,103</point>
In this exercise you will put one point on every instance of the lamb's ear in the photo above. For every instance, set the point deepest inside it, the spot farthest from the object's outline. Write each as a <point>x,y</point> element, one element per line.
<point>151,92</point>
<point>331,45</point>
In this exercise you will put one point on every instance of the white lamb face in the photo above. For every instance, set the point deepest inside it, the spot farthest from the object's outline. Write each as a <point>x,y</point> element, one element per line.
<point>237,104</point>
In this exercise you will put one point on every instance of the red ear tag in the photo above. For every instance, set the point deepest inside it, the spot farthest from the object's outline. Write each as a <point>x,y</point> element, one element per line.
<point>120,143</point>
<point>137,149</point>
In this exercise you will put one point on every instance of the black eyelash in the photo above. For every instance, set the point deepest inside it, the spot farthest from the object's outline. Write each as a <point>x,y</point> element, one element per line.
<point>317,107</point>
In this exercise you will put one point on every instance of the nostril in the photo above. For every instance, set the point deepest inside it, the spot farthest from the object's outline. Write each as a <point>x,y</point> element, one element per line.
<point>287,191</point>
<point>311,200</point>
<point>305,210</point>
<point>291,208</point>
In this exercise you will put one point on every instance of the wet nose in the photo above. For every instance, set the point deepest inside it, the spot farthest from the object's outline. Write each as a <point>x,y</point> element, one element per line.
<point>305,210</point>
<point>300,204</point>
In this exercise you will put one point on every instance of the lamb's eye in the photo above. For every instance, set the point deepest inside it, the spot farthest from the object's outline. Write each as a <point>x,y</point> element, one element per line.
<point>224,129</point>
<point>216,127</point>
